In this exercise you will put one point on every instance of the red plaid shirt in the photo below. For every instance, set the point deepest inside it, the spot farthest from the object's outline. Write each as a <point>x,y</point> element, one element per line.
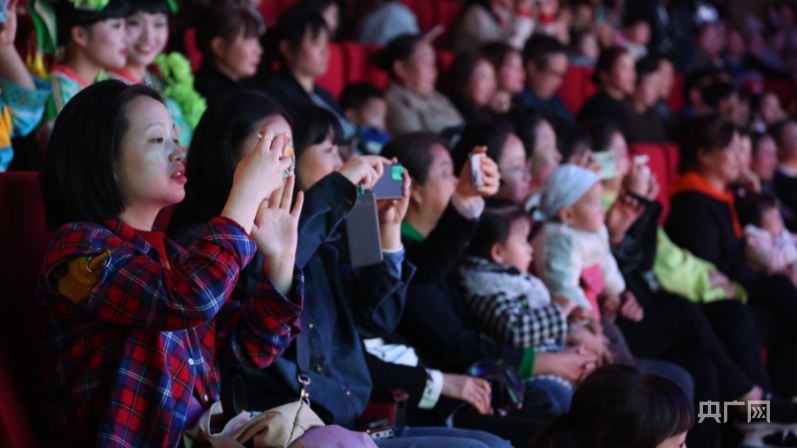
<point>119,366</point>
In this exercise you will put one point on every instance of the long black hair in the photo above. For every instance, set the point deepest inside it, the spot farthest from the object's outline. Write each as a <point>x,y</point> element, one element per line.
<point>214,154</point>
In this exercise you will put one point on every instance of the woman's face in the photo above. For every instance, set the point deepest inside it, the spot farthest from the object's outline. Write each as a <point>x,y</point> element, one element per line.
<point>511,76</point>
<point>481,85</point>
<point>150,168</point>
<point>441,182</point>
<point>514,170</point>
<point>724,164</point>
<point>316,162</point>
<point>146,37</point>
<point>770,109</point>
<point>736,43</point>
<point>312,57</point>
<point>419,72</point>
<point>765,160</point>
<point>647,91</point>
<point>666,79</point>
<point>545,156</point>
<point>106,43</point>
<point>242,56</point>
<point>623,75</point>
<point>332,17</point>
<point>677,441</point>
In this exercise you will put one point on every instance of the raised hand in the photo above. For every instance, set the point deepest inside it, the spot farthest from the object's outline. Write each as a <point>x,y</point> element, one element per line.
<point>621,216</point>
<point>276,233</point>
<point>364,170</point>
<point>257,176</point>
<point>572,363</point>
<point>8,31</point>
<point>474,391</point>
<point>491,178</point>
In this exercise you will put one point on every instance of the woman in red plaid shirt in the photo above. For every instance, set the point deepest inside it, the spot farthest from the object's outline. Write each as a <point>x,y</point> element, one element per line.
<point>130,323</point>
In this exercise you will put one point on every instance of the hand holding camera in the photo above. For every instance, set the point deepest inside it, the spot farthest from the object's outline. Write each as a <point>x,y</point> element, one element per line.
<point>479,176</point>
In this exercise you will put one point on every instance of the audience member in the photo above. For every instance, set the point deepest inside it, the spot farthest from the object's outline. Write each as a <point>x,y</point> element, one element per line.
<point>147,27</point>
<point>300,43</point>
<point>509,74</point>
<point>129,321</point>
<point>228,36</point>
<point>381,21</point>
<point>620,406</point>
<point>784,182</point>
<point>366,107</point>
<point>643,122</point>
<point>764,159</point>
<point>485,21</point>
<point>616,76</point>
<point>545,61</point>
<point>769,247</point>
<point>471,86</point>
<point>413,104</point>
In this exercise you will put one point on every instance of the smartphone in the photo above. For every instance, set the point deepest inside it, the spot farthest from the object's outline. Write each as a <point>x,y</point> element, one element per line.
<point>362,231</point>
<point>476,175</point>
<point>608,165</point>
<point>288,151</point>
<point>391,184</point>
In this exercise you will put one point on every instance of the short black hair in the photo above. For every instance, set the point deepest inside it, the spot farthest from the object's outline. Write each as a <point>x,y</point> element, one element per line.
<point>68,17</point>
<point>215,150</point>
<point>313,125</point>
<point>491,133</point>
<point>149,6</point>
<point>494,227</point>
<point>401,48</point>
<point>752,206</point>
<point>716,92</point>
<point>539,48</point>
<point>497,52</point>
<point>707,133</point>
<point>646,66</point>
<point>227,20</point>
<point>77,177</point>
<point>601,132</point>
<point>292,27</point>
<point>525,122</point>
<point>357,95</point>
<point>606,62</point>
<point>459,74</point>
<point>413,152</point>
<point>573,139</point>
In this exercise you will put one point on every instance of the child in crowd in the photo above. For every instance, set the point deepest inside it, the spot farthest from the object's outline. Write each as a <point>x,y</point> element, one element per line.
<point>147,28</point>
<point>365,106</point>
<point>93,40</point>
<point>636,37</point>
<point>509,304</point>
<point>574,258</point>
<point>620,406</point>
<point>584,49</point>
<point>769,247</point>
<point>22,97</point>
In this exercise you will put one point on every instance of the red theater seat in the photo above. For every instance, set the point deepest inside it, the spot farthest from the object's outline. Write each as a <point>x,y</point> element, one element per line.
<point>24,240</point>
<point>194,55</point>
<point>334,80</point>
<point>361,64</point>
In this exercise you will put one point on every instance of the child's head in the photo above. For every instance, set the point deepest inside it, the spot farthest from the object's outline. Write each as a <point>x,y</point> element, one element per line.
<point>147,27</point>
<point>572,195</point>
<point>427,160</point>
<point>762,211</point>
<point>503,237</point>
<point>619,406</point>
<point>364,105</point>
<point>585,44</point>
<point>637,30</point>
<point>228,35</point>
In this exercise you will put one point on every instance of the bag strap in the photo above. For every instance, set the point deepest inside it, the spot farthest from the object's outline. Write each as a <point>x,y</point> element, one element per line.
<point>303,363</point>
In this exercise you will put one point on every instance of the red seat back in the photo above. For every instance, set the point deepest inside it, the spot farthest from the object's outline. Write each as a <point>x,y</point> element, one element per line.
<point>576,87</point>
<point>15,428</point>
<point>194,55</point>
<point>361,64</point>
<point>676,100</point>
<point>334,80</point>
<point>24,240</point>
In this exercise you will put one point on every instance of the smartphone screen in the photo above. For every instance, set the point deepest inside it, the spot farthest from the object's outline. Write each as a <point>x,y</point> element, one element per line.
<point>608,165</point>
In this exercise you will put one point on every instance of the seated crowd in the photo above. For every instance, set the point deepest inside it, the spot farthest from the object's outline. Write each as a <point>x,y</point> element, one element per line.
<point>536,283</point>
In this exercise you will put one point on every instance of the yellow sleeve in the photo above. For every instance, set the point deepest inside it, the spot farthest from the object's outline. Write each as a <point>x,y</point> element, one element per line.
<point>76,278</point>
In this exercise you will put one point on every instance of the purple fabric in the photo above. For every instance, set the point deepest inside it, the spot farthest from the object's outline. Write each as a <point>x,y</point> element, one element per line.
<point>334,436</point>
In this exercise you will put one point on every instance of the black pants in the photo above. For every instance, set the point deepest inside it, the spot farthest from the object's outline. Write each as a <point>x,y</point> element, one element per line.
<point>773,302</point>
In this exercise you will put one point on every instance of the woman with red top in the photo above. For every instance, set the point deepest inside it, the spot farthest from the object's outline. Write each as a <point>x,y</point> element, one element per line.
<point>131,325</point>
<point>703,219</point>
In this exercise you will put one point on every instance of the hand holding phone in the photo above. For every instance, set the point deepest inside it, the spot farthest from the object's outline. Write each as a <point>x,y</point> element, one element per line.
<point>391,184</point>
<point>475,159</point>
